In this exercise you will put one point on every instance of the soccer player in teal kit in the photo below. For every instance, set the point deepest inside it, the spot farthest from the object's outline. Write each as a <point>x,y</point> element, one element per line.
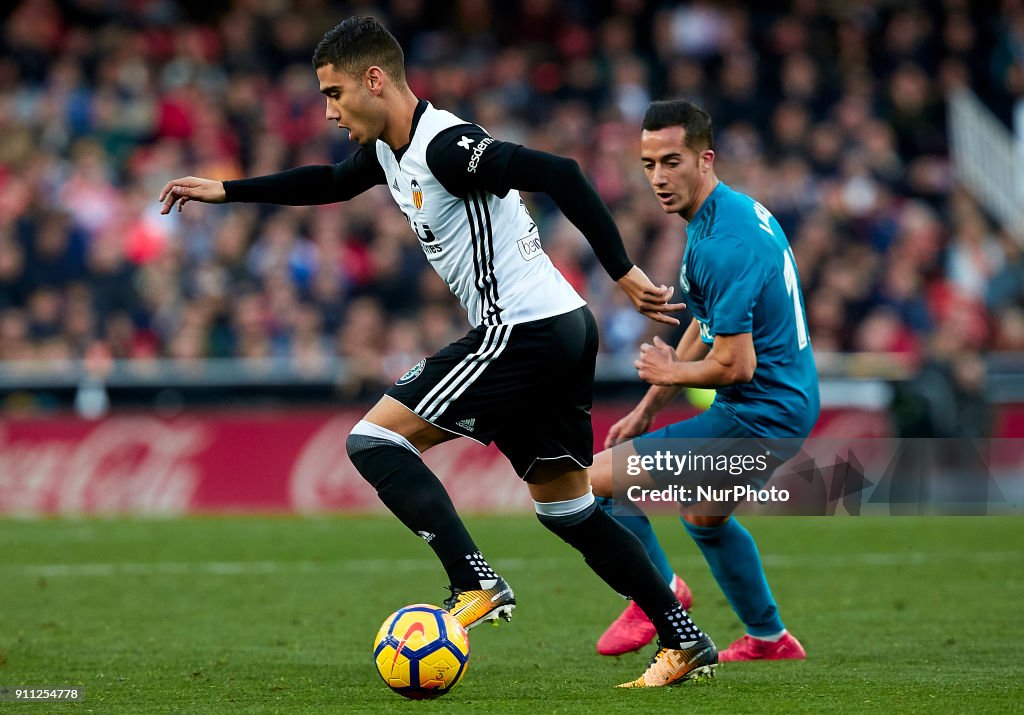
<point>748,340</point>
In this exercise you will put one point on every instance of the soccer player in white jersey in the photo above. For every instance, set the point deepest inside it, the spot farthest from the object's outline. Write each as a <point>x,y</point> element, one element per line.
<point>523,375</point>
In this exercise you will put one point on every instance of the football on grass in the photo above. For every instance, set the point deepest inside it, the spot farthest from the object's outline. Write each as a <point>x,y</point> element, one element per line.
<point>421,651</point>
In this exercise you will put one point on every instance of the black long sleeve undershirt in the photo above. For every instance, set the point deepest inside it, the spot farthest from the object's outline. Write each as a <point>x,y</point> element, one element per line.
<point>310,185</point>
<point>562,179</point>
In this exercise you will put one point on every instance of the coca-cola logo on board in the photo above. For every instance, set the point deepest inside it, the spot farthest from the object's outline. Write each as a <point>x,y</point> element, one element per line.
<point>124,464</point>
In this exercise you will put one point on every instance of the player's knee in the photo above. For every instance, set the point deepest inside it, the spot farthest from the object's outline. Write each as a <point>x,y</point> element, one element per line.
<point>358,444</point>
<point>601,474</point>
<point>376,452</point>
<point>704,521</point>
<point>360,449</point>
<point>561,515</point>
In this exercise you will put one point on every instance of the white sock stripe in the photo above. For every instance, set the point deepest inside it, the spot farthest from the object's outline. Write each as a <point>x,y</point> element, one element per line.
<point>565,508</point>
<point>446,381</point>
<point>474,374</point>
<point>369,429</point>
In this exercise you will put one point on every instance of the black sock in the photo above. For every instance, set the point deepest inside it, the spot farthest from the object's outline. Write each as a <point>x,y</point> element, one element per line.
<point>415,495</point>
<point>677,622</point>
<point>481,569</point>
<point>618,557</point>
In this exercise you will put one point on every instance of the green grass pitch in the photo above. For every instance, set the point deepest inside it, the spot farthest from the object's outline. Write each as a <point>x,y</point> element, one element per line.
<point>266,615</point>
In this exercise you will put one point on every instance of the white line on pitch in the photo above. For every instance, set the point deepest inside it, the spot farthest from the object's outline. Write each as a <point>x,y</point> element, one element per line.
<point>251,568</point>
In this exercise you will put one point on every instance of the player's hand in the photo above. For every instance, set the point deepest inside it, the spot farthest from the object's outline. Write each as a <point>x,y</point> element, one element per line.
<point>656,362</point>
<point>191,188</point>
<point>632,425</point>
<point>649,299</point>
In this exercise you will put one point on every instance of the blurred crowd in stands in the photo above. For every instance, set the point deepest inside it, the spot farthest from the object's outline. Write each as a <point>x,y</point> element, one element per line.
<point>830,113</point>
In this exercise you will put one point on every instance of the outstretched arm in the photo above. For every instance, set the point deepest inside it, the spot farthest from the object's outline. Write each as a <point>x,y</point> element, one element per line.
<point>465,159</point>
<point>563,180</point>
<point>304,186</point>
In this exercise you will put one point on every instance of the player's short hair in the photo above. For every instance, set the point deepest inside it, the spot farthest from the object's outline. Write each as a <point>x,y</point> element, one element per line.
<point>359,43</point>
<point>680,113</point>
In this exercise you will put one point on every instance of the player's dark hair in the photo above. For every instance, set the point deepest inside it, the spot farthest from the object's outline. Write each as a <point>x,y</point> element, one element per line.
<point>680,113</point>
<point>358,43</point>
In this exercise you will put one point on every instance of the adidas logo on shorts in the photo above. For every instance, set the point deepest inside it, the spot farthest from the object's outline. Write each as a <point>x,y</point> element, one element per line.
<point>467,424</point>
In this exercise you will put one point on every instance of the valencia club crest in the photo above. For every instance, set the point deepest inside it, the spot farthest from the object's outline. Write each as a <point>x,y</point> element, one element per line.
<point>417,194</point>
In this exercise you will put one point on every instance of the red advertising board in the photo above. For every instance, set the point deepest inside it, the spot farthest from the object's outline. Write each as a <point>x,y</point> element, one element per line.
<point>277,460</point>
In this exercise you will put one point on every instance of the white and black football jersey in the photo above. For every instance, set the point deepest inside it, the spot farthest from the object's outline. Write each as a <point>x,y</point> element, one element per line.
<point>476,233</point>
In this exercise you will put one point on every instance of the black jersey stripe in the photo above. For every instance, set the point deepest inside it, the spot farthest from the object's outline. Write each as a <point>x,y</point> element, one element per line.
<point>496,304</point>
<point>488,283</point>
<point>477,268</point>
<point>479,257</point>
<point>480,253</point>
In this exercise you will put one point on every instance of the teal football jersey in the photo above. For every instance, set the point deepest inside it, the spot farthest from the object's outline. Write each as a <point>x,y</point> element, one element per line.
<point>739,276</point>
